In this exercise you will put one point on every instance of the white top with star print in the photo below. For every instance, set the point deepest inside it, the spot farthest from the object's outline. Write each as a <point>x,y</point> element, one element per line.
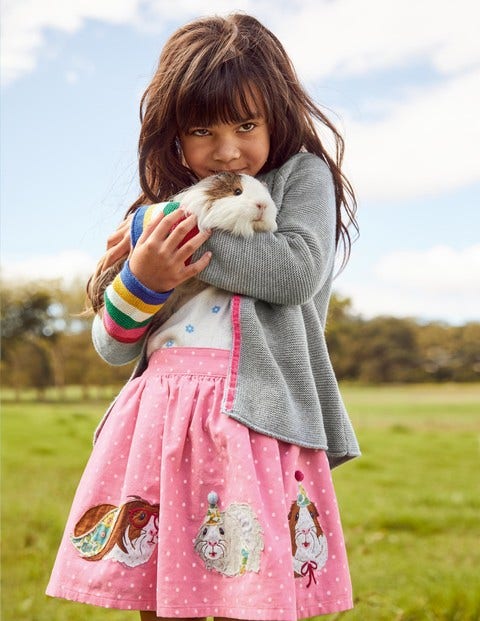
<point>204,321</point>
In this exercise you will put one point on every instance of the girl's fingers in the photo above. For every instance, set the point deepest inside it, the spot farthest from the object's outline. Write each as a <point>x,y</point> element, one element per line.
<point>158,259</point>
<point>186,250</point>
<point>121,234</point>
<point>195,268</point>
<point>179,229</point>
<point>116,252</point>
<point>118,244</point>
<point>160,226</point>
<point>170,231</point>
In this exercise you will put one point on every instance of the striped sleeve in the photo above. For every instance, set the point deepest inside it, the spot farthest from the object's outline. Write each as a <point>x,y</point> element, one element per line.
<point>145,214</point>
<point>130,306</point>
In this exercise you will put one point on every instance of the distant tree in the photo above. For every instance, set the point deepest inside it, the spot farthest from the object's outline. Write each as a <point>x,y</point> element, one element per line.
<point>390,351</point>
<point>437,346</point>
<point>45,339</point>
<point>342,336</point>
<point>450,353</point>
<point>83,366</point>
<point>468,353</point>
<point>28,335</point>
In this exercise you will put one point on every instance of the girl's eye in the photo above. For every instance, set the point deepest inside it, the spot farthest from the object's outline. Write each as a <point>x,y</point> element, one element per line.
<point>237,191</point>
<point>200,131</point>
<point>247,127</point>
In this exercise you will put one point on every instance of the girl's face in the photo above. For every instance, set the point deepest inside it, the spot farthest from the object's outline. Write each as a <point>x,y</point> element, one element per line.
<point>241,147</point>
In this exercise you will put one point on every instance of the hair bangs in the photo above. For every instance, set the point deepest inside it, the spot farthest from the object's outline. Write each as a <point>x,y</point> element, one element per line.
<point>223,98</point>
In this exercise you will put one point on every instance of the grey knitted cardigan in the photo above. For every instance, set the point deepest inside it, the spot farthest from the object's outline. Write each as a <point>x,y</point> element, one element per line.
<point>281,382</point>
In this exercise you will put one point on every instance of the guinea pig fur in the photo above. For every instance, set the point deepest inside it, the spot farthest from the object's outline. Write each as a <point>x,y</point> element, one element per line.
<point>237,203</point>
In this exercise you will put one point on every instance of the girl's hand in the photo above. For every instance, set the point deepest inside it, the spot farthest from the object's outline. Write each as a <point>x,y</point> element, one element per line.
<point>118,245</point>
<point>158,262</point>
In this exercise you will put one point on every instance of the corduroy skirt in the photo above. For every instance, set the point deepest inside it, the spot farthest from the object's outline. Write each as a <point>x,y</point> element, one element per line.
<point>186,512</point>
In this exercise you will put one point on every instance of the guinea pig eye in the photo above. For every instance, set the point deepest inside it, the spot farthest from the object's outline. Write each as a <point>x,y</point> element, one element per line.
<point>222,532</point>
<point>138,519</point>
<point>237,191</point>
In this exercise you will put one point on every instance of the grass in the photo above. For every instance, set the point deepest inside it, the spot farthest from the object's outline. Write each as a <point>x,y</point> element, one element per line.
<point>410,505</point>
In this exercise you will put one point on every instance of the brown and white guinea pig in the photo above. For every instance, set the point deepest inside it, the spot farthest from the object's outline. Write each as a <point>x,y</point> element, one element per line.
<point>232,202</point>
<point>237,203</point>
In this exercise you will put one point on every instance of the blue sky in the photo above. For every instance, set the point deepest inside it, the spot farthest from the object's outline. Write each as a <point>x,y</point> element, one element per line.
<point>403,80</point>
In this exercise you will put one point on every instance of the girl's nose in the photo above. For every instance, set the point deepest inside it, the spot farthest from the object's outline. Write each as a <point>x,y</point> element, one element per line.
<point>226,151</point>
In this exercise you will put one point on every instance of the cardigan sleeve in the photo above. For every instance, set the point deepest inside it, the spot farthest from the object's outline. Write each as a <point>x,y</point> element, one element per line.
<point>109,349</point>
<point>118,334</point>
<point>289,266</point>
<point>129,308</point>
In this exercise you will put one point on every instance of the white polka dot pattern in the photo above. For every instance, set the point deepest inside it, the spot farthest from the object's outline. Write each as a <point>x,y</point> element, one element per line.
<point>167,443</point>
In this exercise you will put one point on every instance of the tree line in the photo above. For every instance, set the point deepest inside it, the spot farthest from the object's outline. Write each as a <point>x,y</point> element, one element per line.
<point>45,342</point>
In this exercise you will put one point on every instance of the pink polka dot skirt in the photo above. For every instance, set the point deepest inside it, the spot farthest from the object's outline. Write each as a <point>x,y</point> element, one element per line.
<point>184,511</point>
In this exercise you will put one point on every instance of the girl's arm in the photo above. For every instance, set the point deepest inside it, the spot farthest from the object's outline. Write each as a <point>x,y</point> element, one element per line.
<point>287,267</point>
<point>156,265</point>
<point>109,349</point>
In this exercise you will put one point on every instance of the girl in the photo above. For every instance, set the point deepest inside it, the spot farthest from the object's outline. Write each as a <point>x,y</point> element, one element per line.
<point>208,492</point>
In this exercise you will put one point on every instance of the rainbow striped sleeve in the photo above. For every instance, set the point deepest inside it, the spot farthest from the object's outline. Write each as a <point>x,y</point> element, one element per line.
<point>130,306</point>
<point>145,214</point>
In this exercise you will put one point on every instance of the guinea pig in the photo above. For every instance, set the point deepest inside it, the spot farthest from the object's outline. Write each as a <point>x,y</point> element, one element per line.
<point>237,203</point>
<point>232,202</point>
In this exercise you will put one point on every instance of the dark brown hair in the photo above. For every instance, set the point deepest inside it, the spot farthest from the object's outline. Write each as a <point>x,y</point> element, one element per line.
<point>208,72</point>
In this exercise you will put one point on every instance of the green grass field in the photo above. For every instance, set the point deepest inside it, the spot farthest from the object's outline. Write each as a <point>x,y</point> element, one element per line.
<point>410,505</point>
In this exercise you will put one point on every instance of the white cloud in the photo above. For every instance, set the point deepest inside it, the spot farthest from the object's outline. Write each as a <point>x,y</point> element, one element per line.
<point>438,270</point>
<point>348,37</point>
<point>71,76</point>
<point>324,38</point>
<point>437,283</point>
<point>423,144</point>
<point>24,23</point>
<point>426,144</point>
<point>65,266</point>
<point>190,9</point>
<point>373,299</point>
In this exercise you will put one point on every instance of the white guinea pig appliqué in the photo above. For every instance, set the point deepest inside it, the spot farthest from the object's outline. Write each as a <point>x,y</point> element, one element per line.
<point>231,541</point>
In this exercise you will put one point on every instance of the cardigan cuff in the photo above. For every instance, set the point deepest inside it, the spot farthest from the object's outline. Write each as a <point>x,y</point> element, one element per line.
<point>139,290</point>
<point>130,306</point>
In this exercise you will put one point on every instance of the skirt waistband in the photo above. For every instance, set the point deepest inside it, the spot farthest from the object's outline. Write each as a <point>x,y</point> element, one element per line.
<point>190,361</point>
